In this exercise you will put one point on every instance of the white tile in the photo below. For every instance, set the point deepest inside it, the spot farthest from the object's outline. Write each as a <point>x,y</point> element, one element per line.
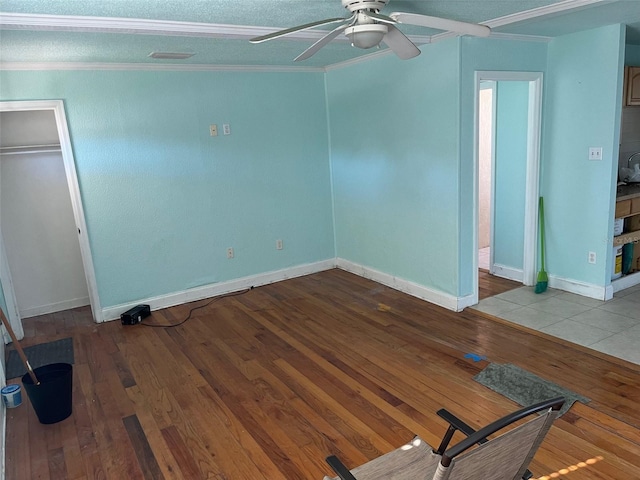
<point>576,332</point>
<point>559,307</point>
<point>635,298</point>
<point>632,294</point>
<point>580,299</point>
<point>526,295</point>
<point>634,333</point>
<point>495,306</point>
<point>622,306</point>
<point>530,317</point>
<point>620,345</point>
<point>612,322</point>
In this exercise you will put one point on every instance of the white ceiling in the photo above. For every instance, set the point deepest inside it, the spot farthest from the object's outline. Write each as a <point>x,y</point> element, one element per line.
<point>217,31</point>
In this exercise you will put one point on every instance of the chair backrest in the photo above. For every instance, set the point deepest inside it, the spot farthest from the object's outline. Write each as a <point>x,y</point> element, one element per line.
<point>505,457</point>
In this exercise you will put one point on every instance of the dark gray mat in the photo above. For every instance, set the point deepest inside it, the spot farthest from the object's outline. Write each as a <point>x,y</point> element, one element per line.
<point>58,351</point>
<point>524,387</point>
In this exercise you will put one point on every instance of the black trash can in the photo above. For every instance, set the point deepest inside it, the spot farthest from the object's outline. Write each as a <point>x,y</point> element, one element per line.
<point>51,399</point>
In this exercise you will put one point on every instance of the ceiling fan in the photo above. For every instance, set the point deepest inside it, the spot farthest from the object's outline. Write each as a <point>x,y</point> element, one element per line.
<point>367,27</point>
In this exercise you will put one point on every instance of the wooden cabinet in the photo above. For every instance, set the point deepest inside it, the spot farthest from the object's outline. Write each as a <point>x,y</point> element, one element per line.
<point>632,85</point>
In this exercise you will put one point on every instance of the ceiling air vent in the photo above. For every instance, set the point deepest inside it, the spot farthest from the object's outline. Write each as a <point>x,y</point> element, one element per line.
<point>171,55</point>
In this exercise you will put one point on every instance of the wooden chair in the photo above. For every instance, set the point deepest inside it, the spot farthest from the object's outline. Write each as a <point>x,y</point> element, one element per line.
<point>505,457</point>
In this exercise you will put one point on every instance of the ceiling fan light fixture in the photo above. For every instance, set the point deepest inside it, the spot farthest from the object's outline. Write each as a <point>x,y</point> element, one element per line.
<point>366,36</point>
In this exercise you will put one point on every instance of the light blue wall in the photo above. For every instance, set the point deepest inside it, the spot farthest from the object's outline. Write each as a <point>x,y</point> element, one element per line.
<point>485,55</point>
<point>632,55</point>
<point>582,110</point>
<point>403,164</point>
<point>394,156</point>
<point>512,109</point>
<point>163,199</point>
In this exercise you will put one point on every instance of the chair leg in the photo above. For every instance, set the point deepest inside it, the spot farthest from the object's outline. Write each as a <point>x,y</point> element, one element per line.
<point>445,440</point>
<point>339,467</point>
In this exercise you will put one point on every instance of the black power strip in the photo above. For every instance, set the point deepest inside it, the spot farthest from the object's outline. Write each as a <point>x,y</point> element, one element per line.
<point>134,315</point>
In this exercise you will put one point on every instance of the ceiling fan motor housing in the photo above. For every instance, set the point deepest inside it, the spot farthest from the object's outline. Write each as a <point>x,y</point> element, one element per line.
<point>355,5</point>
<point>366,36</point>
<point>365,32</point>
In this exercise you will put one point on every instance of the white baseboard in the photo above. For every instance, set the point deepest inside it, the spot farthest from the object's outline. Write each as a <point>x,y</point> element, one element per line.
<point>54,307</point>
<point>215,289</point>
<point>625,282</point>
<point>580,288</point>
<point>509,273</point>
<point>439,298</point>
<point>468,301</point>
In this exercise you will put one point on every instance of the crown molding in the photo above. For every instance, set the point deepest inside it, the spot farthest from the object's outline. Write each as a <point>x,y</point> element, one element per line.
<point>43,66</point>
<point>28,21</point>
<point>520,38</point>
<point>497,35</point>
<point>70,23</point>
<point>548,10</point>
<point>73,23</point>
<point>23,21</point>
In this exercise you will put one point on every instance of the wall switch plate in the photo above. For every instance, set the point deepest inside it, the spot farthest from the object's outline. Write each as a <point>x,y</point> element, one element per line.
<point>595,153</point>
<point>213,130</point>
<point>230,252</point>
<point>279,245</point>
<point>592,257</point>
<point>226,129</point>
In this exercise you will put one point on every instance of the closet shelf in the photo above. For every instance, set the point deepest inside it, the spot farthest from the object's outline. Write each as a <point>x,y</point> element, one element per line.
<point>27,149</point>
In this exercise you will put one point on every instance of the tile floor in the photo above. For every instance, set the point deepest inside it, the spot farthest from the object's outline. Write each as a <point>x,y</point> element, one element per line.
<point>611,327</point>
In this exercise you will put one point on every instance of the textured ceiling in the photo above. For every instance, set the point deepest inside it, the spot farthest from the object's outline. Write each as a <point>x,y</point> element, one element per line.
<point>44,43</point>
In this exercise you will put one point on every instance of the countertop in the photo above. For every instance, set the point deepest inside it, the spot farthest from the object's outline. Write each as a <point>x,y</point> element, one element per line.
<point>626,192</point>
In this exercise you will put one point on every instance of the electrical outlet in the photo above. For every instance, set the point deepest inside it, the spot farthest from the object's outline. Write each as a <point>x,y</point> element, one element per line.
<point>595,153</point>
<point>592,257</point>
<point>213,130</point>
<point>230,252</point>
<point>279,245</point>
<point>226,129</point>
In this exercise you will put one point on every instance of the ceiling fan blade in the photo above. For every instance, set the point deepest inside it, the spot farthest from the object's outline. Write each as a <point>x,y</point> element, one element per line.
<point>400,44</point>
<point>306,26</point>
<point>381,18</point>
<point>320,43</point>
<point>442,24</point>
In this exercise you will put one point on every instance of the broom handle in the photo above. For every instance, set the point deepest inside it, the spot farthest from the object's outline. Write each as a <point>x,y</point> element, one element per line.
<point>19,348</point>
<point>542,232</point>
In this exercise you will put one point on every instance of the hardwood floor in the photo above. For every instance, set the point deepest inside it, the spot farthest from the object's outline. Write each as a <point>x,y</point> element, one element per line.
<point>490,285</point>
<point>264,385</point>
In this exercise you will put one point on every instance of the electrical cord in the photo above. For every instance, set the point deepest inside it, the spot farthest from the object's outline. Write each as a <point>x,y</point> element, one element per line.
<point>235,294</point>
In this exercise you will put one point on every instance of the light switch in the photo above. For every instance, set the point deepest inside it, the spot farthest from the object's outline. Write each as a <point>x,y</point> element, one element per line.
<point>213,130</point>
<point>595,153</point>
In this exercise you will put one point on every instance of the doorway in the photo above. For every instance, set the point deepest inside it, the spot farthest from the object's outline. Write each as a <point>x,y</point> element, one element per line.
<point>507,130</point>
<point>486,160</point>
<point>37,166</point>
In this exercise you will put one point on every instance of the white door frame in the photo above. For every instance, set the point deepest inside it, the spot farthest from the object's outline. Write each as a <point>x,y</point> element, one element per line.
<point>57,106</point>
<point>490,85</point>
<point>532,190</point>
<point>9,296</point>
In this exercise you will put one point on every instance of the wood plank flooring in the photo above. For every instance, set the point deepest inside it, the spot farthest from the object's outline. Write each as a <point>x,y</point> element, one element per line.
<point>490,285</point>
<point>266,384</point>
